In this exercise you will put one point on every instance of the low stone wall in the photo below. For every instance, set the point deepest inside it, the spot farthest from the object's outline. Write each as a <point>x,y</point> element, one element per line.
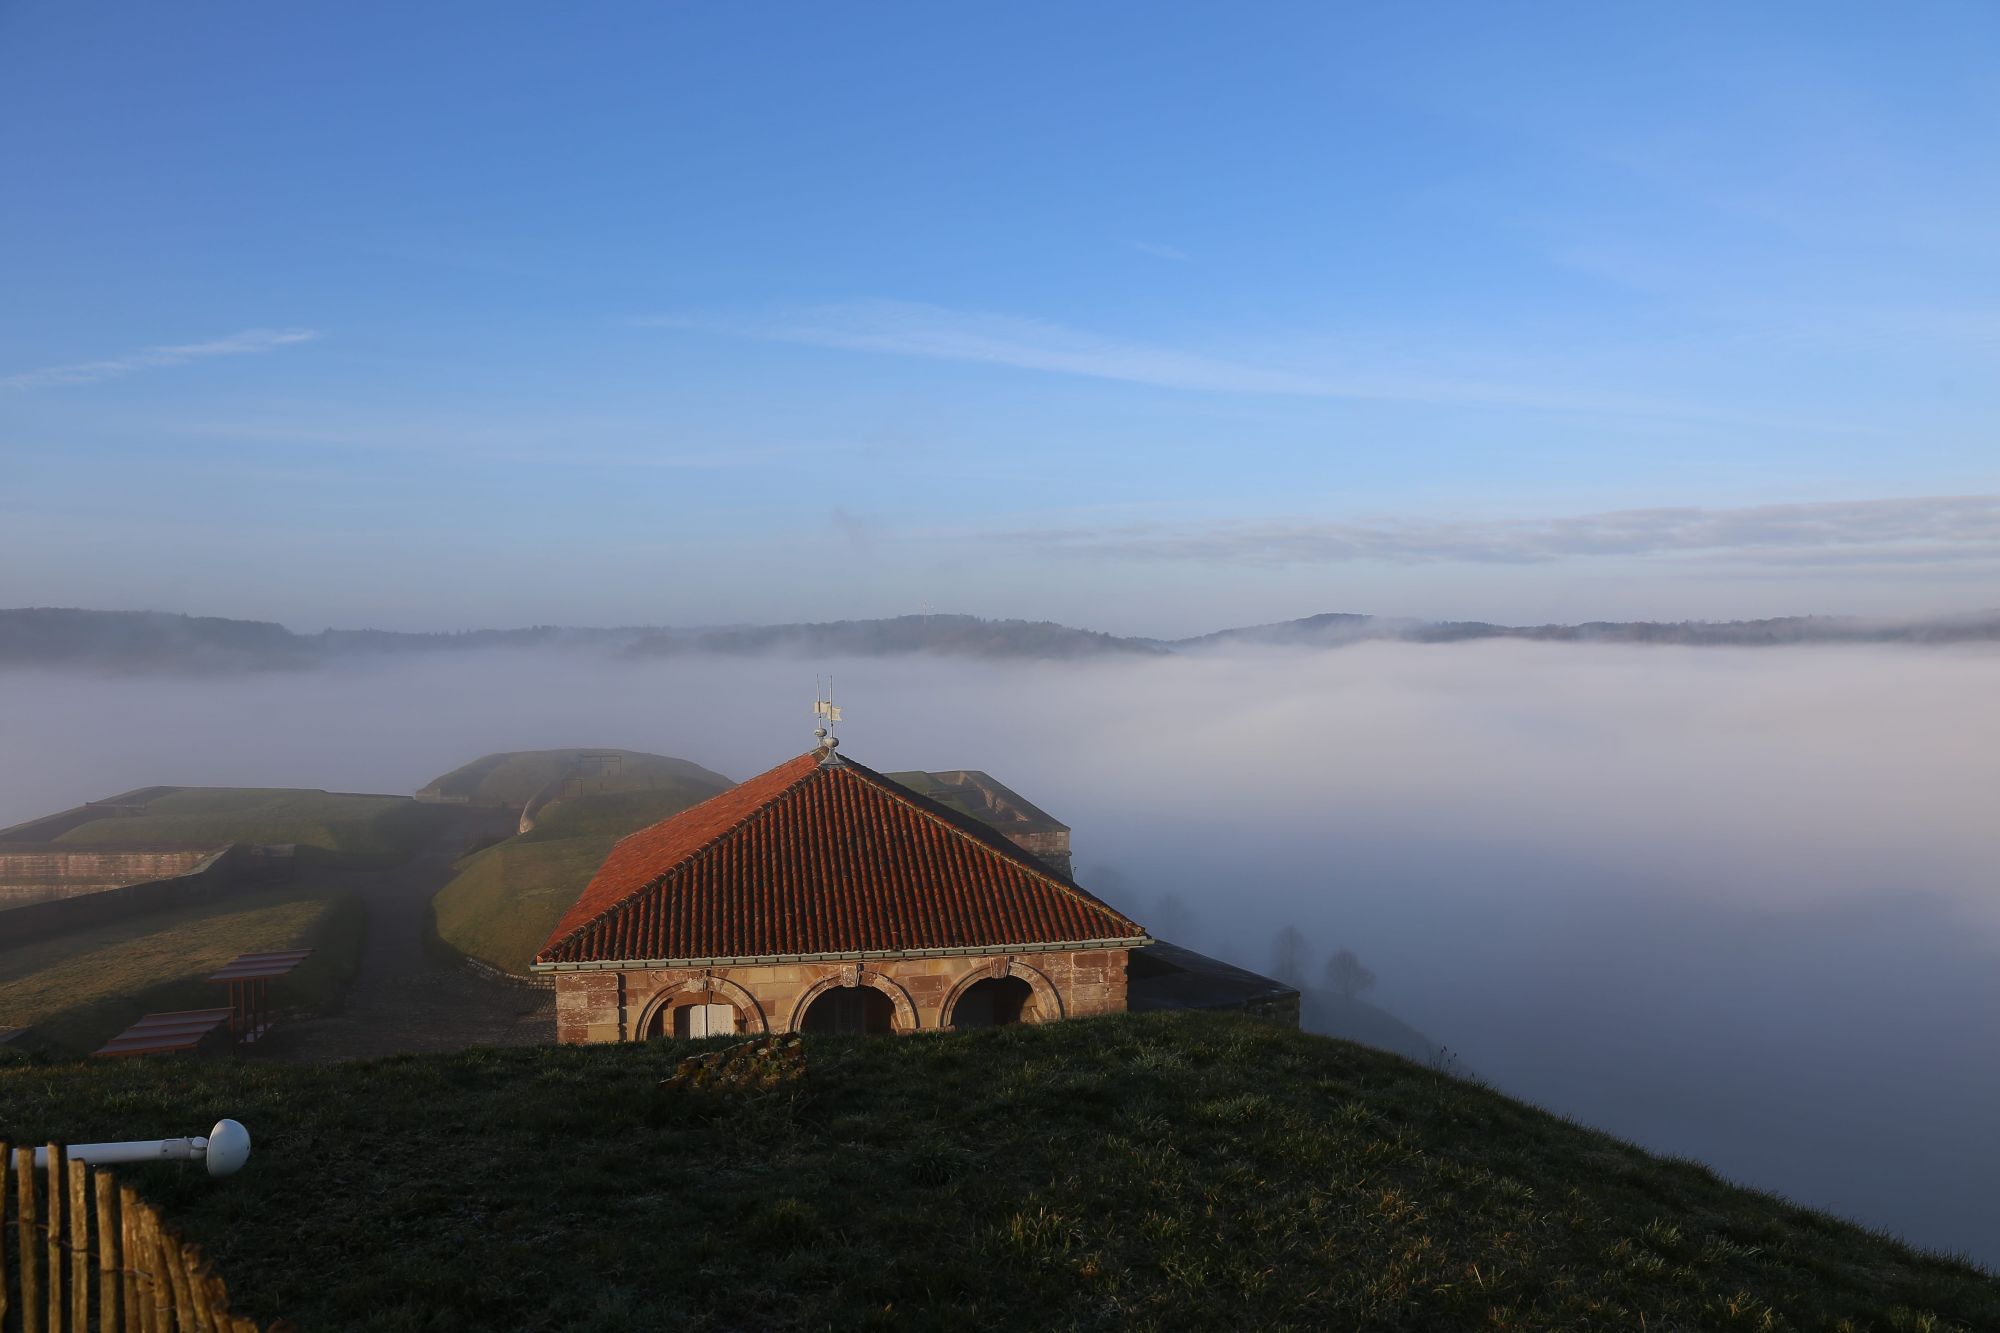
<point>610,1005</point>
<point>216,875</point>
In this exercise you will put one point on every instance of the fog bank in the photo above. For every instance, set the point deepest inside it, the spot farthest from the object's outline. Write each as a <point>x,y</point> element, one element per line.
<point>1741,905</point>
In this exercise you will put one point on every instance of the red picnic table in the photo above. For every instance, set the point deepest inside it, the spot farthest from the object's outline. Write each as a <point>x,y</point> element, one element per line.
<point>249,977</point>
<point>161,1034</point>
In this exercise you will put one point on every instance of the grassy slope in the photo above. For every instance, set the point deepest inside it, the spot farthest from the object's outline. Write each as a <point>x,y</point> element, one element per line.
<point>82,988</point>
<point>354,828</point>
<point>506,899</point>
<point>1173,1171</point>
<point>514,777</point>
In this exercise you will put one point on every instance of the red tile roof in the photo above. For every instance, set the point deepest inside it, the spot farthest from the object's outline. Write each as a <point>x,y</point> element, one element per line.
<point>815,859</point>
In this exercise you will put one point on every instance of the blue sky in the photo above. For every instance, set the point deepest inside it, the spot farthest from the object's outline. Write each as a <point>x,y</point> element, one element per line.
<point>1149,317</point>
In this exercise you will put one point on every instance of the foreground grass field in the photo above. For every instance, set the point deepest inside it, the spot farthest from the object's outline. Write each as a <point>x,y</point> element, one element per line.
<point>340,826</point>
<point>506,899</point>
<point>1163,1171</point>
<point>82,988</point>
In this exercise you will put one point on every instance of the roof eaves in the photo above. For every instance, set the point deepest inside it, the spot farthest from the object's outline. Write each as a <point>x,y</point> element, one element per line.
<point>858,955</point>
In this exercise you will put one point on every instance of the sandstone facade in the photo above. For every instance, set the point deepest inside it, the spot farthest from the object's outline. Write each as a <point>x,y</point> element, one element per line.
<point>613,1004</point>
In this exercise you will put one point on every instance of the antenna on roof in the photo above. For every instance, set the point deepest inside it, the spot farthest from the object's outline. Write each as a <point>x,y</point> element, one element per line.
<point>826,714</point>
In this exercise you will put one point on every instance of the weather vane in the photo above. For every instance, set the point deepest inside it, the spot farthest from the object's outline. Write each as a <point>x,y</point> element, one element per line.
<point>826,714</point>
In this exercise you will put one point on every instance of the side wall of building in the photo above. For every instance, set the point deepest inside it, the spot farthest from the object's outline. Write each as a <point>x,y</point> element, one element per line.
<point>610,1005</point>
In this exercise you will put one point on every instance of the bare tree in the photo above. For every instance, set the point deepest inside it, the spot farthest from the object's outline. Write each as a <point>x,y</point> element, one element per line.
<point>1346,974</point>
<point>1288,956</point>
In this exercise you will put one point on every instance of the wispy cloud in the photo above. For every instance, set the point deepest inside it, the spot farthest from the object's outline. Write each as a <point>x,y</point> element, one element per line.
<point>1917,530</point>
<point>912,328</point>
<point>916,329</point>
<point>154,358</point>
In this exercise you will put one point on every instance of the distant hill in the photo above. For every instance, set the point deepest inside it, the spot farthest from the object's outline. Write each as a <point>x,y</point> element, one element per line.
<point>1321,631</point>
<point>152,641</point>
<point>146,641</point>
<point>1338,629</point>
<point>1181,1171</point>
<point>958,636</point>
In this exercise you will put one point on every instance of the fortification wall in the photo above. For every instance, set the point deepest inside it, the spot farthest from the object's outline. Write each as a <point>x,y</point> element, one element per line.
<point>30,874</point>
<point>215,874</point>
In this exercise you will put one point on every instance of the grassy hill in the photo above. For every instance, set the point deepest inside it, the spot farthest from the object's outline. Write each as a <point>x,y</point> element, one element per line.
<point>515,777</point>
<point>344,826</point>
<point>82,988</point>
<point>506,899</point>
<point>1169,1171</point>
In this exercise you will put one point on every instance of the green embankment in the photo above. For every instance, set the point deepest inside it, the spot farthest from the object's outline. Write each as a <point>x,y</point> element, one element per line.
<point>79,989</point>
<point>506,899</point>
<point>514,778</point>
<point>1168,1171</point>
<point>338,826</point>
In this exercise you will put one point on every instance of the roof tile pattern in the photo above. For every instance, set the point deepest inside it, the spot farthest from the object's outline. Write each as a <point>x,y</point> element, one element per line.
<point>812,858</point>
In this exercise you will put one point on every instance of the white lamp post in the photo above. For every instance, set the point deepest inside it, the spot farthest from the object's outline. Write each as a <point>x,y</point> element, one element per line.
<point>225,1150</point>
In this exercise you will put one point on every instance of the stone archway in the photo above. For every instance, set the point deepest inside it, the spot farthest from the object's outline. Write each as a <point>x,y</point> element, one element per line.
<point>899,999</point>
<point>746,1003</point>
<point>1048,1001</point>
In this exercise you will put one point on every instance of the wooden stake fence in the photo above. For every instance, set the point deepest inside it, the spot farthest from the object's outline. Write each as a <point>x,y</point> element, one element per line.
<point>147,1280</point>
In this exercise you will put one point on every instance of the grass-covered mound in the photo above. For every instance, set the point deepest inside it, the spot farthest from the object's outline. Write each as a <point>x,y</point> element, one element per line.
<point>84,987</point>
<point>504,901</point>
<point>514,777</point>
<point>1180,1171</point>
<point>343,827</point>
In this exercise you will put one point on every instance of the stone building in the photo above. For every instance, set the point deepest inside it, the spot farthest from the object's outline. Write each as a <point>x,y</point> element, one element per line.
<point>1000,807</point>
<point>823,896</point>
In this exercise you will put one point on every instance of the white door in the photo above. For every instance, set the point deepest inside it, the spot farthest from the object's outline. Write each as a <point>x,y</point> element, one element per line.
<point>705,1020</point>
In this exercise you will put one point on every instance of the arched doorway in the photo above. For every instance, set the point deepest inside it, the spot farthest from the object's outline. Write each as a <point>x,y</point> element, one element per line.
<point>850,1009</point>
<point>701,1006</point>
<point>696,1014</point>
<point>994,1002</point>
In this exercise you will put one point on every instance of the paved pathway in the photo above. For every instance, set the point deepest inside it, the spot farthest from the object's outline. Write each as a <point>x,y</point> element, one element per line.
<point>405,998</point>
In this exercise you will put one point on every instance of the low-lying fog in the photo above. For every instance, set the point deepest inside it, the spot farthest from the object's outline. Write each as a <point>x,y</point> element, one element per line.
<point>1737,905</point>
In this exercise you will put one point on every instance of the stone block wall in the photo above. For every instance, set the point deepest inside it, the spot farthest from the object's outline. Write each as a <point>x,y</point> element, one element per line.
<point>1051,848</point>
<point>609,1005</point>
<point>32,874</point>
<point>215,874</point>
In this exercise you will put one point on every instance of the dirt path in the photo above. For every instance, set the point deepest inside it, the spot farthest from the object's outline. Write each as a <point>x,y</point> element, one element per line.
<point>404,998</point>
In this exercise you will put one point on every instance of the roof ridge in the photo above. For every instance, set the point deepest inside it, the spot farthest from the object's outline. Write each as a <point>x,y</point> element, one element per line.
<point>940,813</point>
<point>761,808</point>
<point>1024,898</point>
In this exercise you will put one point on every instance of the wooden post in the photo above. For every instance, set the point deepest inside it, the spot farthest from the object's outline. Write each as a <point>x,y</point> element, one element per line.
<point>6,1168</point>
<point>24,1189</point>
<point>55,1226</point>
<point>170,1258</point>
<point>197,1281</point>
<point>107,1252</point>
<point>79,1245</point>
<point>148,1269</point>
<point>128,1258</point>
